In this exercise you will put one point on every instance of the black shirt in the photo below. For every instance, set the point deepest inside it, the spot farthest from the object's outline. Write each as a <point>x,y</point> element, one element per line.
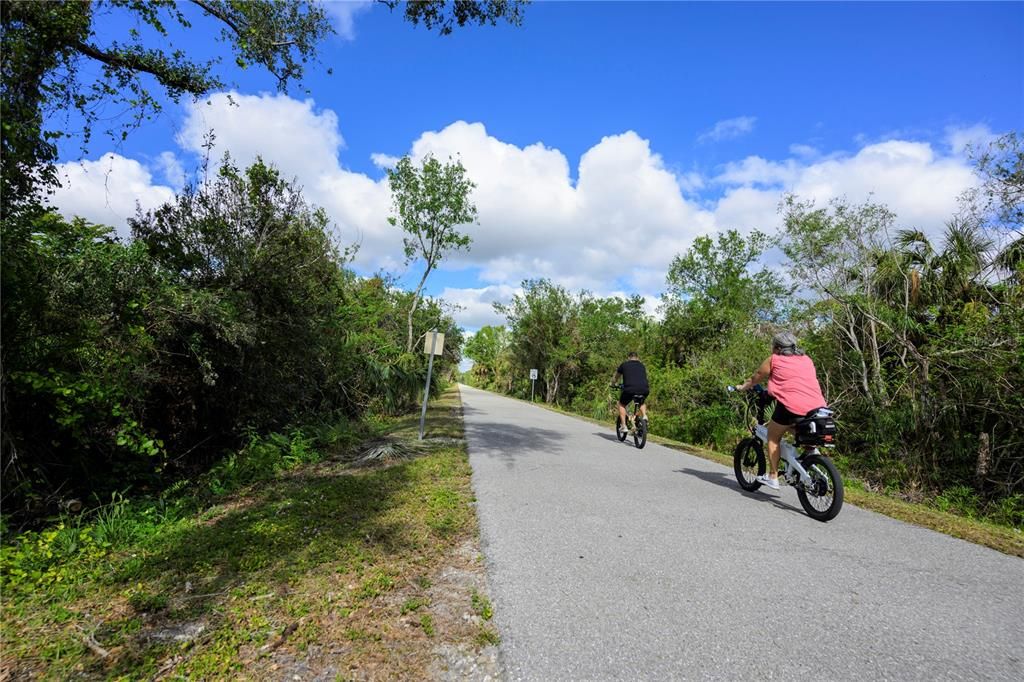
<point>634,376</point>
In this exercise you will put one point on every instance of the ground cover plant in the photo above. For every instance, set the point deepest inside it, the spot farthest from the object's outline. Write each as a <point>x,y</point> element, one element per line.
<point>318,564</point>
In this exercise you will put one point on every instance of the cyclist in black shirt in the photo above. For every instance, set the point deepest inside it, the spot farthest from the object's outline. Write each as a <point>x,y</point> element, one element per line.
<point>634,383</point>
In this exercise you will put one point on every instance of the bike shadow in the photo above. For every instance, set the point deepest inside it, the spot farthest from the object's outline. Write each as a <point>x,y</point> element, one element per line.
<point>729,481</point>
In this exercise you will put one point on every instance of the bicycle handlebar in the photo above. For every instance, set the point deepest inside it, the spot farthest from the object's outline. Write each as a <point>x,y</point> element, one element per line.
<point>756,388</point>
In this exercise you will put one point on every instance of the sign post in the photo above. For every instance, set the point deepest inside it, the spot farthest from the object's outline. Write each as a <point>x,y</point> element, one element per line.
<point>434,345</point>
<point>533,382</point>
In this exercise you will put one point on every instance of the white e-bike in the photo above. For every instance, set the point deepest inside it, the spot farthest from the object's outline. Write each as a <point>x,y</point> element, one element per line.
<point>816,479</point>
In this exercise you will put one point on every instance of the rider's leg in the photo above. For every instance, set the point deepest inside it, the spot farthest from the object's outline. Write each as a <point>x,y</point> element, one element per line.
<point>775,434</point>
<point>622,415</point>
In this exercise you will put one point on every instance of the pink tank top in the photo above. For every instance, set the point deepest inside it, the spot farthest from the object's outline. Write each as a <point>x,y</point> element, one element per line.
<point>793,383</point>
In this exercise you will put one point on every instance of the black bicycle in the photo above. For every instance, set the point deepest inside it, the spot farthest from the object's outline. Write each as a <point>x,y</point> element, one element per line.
<point>636,424</point>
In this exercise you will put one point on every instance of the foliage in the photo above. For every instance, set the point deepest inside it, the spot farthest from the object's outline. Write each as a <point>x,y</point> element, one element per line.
<point>305,544</point>
<point>429,202</point>
<point>230,315</point>
<point>712,296</point>
<point>918,339</point>
<point>55,64</point>
<point>446,14</point>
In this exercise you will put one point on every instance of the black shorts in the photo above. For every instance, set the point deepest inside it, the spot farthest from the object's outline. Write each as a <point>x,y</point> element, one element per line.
<point>783,416</point>
<point>626,397</point>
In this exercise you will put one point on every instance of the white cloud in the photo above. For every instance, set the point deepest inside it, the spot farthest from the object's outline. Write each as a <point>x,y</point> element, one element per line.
<point>617,226</point>
<point>805,151</point>
<point>108,190</point>
<point>729,129</point>
<point>920,185</point>
<point>172,170</point>
<point>964,139</point>
<point>476,306</point>
<point>299,140</point>
<point>754,170</point>
<point>383,161</point>
<point>343,14</point>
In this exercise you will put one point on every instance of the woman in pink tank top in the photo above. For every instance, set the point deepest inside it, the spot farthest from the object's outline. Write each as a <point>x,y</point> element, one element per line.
<point>793,382</point>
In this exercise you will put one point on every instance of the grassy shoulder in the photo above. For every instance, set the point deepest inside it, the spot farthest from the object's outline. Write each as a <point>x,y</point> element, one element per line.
<point>332,567</point>
<point>1002,538</point>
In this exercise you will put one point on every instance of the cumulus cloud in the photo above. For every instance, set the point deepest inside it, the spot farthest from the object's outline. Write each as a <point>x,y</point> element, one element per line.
<point>476,306</point>
<point>920,185</point>
<point>108,190</point>
<point>383,161</point>
<point>616,227</point>
<point>300,140</point>
<point>729,129</point>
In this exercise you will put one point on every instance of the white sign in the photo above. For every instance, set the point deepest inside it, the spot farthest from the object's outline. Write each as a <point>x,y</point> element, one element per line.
<point>533,374</point>
<point>438,343</point>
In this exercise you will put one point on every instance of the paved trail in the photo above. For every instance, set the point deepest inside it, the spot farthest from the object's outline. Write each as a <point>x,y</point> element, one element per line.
<point>608,562</point>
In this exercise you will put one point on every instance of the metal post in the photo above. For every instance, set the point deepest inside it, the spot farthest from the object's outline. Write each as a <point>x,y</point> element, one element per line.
<point>426,389</point>
<point>533,382</point>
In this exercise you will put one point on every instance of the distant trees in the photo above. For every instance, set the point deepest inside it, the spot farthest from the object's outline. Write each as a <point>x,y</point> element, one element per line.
<point>918,338</point>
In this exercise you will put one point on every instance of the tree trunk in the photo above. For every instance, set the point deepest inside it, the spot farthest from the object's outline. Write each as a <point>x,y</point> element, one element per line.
<point>415,304</point>
<point>552,389</point>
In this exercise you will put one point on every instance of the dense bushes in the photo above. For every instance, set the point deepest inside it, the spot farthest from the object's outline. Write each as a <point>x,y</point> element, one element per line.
<point>228,316</point>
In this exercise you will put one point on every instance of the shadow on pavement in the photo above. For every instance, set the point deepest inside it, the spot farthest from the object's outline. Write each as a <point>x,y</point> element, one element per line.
<point>510,442</point>
<point>727,480</point>
<point>610,436</point>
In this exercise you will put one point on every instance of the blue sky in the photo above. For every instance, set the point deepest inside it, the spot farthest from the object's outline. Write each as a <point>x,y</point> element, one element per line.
<point>595,126</point>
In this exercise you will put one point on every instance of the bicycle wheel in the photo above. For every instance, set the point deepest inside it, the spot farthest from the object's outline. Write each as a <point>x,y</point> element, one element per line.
<point>640,432</point>
<point>620,430</point>
<point>824,498</point>
<point>748,463</point>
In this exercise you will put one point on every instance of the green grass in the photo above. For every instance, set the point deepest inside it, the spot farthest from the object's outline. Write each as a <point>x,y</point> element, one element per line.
<point>950,513</point>
<point>305,552</point>
<point>481,605</point>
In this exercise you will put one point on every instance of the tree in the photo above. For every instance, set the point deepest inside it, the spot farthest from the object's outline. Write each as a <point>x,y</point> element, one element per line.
<point>52,50</point>
<point>484,349</point>
<point>429,202</point>
<point>713,292</point>
<point>58,59</point>
<point>445,14</point>
<point>544,326</point>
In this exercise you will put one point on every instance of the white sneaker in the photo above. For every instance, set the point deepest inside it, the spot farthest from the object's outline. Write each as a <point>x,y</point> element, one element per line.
<point>767,480</point>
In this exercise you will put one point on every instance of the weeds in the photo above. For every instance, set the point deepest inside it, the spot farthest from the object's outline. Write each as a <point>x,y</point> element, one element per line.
<point>481,605</point>
<point>194,580</point>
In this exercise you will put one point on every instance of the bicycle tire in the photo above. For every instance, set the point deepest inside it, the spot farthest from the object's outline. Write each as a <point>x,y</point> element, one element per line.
<point>748,463</point>
<point>640,433</point>
<point>823,472</point>
<point>620,431</point>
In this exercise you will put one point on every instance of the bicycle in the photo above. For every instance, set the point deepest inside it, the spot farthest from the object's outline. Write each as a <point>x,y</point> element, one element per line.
<point>639,423</point>
<point>816,479</point>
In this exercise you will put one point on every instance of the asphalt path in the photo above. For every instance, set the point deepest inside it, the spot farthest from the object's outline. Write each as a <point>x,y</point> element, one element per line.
<point>607,562</point>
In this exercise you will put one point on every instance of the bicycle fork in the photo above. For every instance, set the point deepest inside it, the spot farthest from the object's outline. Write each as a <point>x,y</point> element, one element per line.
<point>788,453</point>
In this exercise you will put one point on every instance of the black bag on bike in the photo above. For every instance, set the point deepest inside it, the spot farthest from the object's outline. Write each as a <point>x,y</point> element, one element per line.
<point>817,428</point>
